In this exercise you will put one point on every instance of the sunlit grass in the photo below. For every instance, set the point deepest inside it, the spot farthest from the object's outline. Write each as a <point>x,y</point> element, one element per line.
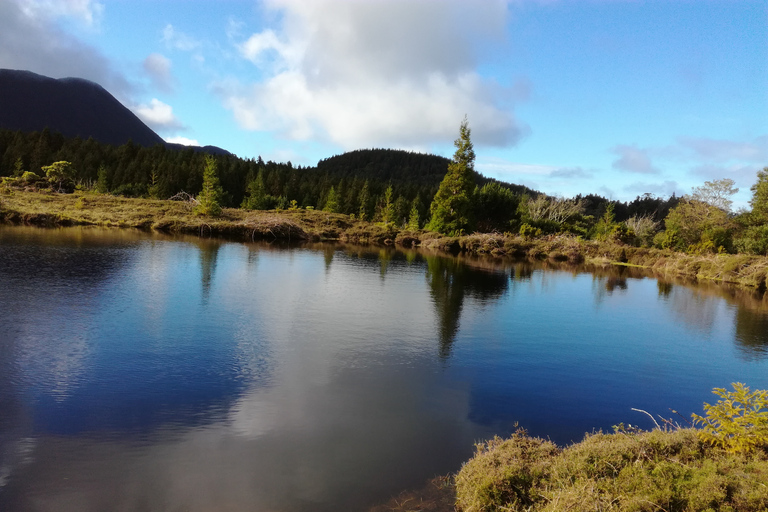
<point>90,208</point>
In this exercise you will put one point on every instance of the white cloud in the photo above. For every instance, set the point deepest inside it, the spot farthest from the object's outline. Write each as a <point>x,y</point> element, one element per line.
<point>182,140</point>
<point>571,173</point>
<point>158,115</point>
<point>504,169</point>
<point>362,74</point>
<point>86,11</point>
<point>178,40</point>
<point>158,68</point>
<point>721,150</point>
<point>633,159</point>
<point>31,40</point>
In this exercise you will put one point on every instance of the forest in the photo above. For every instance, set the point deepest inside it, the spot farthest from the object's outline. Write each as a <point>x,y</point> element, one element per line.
<point>393,187</point>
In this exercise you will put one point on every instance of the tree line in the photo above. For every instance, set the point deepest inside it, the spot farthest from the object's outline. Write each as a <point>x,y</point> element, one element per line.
<point>407,189</point>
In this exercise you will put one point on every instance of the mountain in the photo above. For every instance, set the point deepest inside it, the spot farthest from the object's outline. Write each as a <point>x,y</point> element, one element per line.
<point>74,107</point>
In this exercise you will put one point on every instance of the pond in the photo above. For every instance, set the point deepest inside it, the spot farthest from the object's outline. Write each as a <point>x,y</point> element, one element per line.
<point>145,372</point>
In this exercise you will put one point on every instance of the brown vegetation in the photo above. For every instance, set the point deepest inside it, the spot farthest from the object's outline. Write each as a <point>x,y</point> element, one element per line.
<point>47,208</point>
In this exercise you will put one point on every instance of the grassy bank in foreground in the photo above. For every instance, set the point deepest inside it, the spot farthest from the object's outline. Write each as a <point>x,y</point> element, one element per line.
<point>673,471</point>
<point>46,208</point>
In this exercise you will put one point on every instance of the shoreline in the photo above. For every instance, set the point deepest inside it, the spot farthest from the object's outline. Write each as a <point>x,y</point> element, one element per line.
<point>49,209</point>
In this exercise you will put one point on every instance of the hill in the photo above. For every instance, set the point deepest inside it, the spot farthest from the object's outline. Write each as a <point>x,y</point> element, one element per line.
<point>398,166</point>
<point>73,107</point>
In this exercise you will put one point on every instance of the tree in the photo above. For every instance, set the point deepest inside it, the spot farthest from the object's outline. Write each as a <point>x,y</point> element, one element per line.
<point>759,201</point>
<point>696,226</point>
<point>413,217</point>
<point>255,193</point>
<point>59,173</point>
<point>388,209</point>
<point>364,212</point>
<point>452,204</point>
<point>332,202</point>
<point>209,198</point>
<point>102,185</point>
<point>716,193</point>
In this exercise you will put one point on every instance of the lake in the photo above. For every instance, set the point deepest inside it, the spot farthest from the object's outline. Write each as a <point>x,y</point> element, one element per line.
<point>142,372</point>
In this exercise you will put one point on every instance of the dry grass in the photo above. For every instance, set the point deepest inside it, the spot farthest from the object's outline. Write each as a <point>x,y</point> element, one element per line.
<point>438,495</point>
<point>670,471</point>
<point>49,209</point>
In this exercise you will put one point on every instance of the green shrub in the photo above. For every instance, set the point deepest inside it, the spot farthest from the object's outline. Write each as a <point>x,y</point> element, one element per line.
<point>739,422</point>
<point>754,240</point>
<point>29,177</point>
<point>672,471</point>
<point>528,231</point>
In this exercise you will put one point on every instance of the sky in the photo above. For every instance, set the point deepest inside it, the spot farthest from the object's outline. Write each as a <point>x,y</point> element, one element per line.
<point>614,97</point>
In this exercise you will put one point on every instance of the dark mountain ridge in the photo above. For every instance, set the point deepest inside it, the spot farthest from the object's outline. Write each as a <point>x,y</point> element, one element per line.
<point>74,107</point>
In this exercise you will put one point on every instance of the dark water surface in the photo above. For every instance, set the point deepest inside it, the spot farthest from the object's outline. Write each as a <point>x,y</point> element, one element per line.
<point>144,373</point>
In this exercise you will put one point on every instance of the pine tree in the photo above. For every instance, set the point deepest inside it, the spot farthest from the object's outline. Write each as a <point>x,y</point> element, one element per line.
<point>332,202</point>
<point>255,193</point>
<point>365,202</point>
<point>388,209</point>
<point>452,204</point>
<point>413,218</point>
<point>209,198</point>
<point>102,185</point>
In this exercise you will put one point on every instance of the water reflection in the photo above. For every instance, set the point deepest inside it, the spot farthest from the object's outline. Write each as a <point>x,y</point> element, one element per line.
<point>209,252</point>
<point>449,282</point>
<point>752,333</point>
<point>665,288</point>
<point>202,375</point>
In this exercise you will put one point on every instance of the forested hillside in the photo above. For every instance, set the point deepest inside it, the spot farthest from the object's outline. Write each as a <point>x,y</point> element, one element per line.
<point>356,182</point>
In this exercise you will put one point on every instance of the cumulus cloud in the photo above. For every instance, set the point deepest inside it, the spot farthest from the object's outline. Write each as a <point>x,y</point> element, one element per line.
<point>158,68</point>
<point>633,159</point>
<point>158,115</point>
<point>31,40</point>
<point>363,74</point>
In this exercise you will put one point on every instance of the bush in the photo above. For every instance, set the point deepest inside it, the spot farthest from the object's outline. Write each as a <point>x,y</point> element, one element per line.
<point>625,471</point>
<point>528,231</point>
<point>739,422</point>
<point>754,240</point>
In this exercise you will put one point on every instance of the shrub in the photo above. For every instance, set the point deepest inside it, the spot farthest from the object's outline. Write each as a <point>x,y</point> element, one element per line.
<point>626,471</point>
<point>528,231</point>
<point>754,240</point>
<point>739,422</point>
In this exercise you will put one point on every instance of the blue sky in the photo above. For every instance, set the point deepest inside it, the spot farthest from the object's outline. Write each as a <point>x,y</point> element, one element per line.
<point>618,98</point>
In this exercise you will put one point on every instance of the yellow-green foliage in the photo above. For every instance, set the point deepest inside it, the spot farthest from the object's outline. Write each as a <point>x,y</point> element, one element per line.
<point>673,471</point>
<point>739,422</point>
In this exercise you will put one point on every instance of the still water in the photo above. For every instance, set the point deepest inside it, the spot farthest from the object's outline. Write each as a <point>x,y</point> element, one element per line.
<point>146,373</point>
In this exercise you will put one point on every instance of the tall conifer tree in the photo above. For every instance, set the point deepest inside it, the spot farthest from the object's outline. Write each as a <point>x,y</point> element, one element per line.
<point>452,204</point>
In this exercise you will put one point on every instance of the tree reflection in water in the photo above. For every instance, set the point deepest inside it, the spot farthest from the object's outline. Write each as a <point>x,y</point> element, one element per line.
<point>752,333</point>
<point>449,282</point>
<point>209,253</point>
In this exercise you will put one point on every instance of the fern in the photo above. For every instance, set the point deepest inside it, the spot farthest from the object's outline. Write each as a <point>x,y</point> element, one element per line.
<point>739,422</point>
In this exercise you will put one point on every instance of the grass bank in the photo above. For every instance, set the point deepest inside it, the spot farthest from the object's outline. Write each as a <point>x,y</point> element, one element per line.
<point>672,471</point>
<point>45,208</point>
